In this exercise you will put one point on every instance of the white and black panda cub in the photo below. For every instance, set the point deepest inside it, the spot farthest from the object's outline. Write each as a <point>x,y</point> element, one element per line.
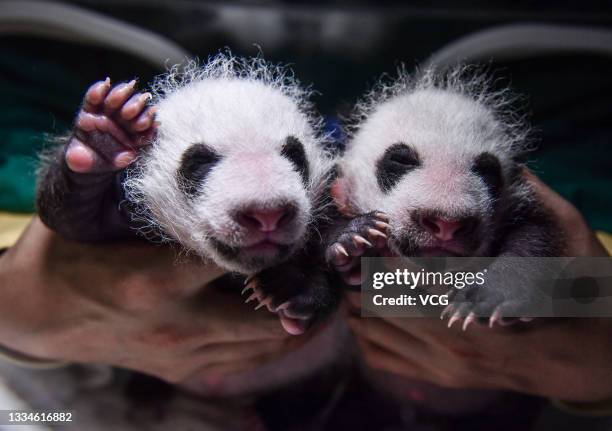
<point>438,153</point>
<point>228,160</point>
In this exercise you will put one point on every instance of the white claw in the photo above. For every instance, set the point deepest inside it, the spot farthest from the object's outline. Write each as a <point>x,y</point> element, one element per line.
<point>383,216</point>
<point>250,298</point>
<point>377,233</point>
<point>456,317</point>
<point>282,307</point>
<point>245,289</point>
<point>468,320</point>
<point>495,317</point>
<point>251,286</point>
<point>361,240</point>
<point>446,310</point>
<point>261,304</point>
<point>249,279</point>
<point>340,248</point>
<point>382,225</point>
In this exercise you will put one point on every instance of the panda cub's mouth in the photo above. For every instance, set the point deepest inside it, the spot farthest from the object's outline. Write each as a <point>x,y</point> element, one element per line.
<point>263,253</point>
<point>265,248</point>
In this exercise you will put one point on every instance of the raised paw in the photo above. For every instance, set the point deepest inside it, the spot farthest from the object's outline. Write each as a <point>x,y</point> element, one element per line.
<point>364,232</point>
<point>112,125</point>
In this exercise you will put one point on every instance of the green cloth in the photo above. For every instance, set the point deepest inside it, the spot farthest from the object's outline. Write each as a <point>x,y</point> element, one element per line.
<point>40,99</point>
<point>41,85</point>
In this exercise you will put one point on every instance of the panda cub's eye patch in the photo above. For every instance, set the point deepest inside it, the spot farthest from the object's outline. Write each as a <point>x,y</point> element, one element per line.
<point>398,160</point>
<point>195,166</point>
<point>293,150</point>
<point>488,167</point>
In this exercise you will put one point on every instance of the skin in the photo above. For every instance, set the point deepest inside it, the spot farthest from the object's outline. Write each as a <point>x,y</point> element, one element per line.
<point>567,359</point>
<point>133,306</point>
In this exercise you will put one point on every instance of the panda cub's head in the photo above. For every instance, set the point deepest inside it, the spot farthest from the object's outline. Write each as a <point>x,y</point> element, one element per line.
<point>237,168</point>
<point>436,153</point>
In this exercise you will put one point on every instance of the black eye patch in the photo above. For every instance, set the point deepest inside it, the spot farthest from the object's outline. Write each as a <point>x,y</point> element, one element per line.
<point>293,150</point>
<point>195,166</point>
<point>397,161</point>
<point>488,167</point>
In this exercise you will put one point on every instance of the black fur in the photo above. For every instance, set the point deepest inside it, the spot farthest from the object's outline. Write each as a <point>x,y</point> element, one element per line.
<point>196,164</point>
<point>83,207</point>
<point>488,167</point>
<point>294,151</point>
<point>398,160</point>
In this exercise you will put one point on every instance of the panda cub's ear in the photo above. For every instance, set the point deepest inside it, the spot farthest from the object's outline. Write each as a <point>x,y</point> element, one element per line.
<point>340,193</point>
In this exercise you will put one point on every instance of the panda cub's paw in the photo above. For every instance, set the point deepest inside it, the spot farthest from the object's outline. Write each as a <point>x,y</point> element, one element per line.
<point>483,304</point>
<point>362,233</point>
<point>298,295</point>
<point>112,125</point>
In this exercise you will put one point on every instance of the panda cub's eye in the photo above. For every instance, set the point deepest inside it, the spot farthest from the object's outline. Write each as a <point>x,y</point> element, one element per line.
<point>488,167</point>
<point>293,150</point>
<point>195,166</point>
<point>398,160</point>
<point>403,155</point>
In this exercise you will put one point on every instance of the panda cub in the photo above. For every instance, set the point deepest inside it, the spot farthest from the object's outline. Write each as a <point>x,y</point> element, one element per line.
<point>439,154</point>
<point>227,160</point>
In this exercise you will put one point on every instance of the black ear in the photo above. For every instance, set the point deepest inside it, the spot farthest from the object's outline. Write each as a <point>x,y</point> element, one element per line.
<point>488,167</point>
<point>397,161</point>
<point>294,151</point>
<point>195,166</point>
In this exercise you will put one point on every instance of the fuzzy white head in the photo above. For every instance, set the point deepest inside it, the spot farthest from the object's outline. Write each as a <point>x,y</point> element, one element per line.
<point>435,153</point>
<point>237,168</point>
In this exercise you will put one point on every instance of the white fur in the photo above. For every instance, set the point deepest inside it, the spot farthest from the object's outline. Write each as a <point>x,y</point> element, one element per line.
<point>449,119</point>
<point>244,109</point>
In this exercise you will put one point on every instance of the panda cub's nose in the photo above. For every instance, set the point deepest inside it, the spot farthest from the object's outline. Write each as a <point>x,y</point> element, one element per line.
<point>265,219</point>
<point>445,229</point>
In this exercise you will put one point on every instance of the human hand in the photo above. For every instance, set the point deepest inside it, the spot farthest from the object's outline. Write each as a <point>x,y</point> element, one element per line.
<point>562,358</point>
<point>131,305</point>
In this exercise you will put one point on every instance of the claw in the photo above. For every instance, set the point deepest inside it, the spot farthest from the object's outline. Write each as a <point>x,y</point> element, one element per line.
<point>468,320</point>
<point>446,310</point>
<point>261,304</point>
<point>250,298</point>
<point>252,285</point>
<point>340,248</point>
<point>456,317</point>
<point>382,225</point>
<point>495,318</point>
<point>381,215</point>
<point>361,240</point>
<point>249,279</point>
<point>282,307</point>
<point>377,233</point>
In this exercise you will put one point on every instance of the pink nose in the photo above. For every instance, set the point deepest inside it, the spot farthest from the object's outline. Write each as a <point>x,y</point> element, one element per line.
<point>440,228</point>
<point>265,220</point>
